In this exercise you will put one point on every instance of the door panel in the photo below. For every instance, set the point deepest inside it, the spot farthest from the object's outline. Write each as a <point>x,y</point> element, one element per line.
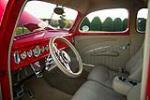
<point>111,51</point>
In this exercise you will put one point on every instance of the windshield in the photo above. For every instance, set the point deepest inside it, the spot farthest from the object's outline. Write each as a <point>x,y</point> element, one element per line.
<point>39,15</point>
<point>45,12</point>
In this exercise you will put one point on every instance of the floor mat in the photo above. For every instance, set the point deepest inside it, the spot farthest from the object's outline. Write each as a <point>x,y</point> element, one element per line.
<point>43,91</point>
<point>60,81</point>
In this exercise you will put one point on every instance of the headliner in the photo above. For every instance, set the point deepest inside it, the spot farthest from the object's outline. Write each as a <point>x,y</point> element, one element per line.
<point>87,6</point>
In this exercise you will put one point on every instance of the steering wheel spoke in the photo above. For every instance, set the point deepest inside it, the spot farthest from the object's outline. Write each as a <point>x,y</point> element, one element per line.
<point>62,59</point>
<point>66,64</point>
<point>55,48</point>
<point>68,67</point>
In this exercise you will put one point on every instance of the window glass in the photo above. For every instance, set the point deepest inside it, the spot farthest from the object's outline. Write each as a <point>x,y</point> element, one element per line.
<point>38,15</point>
<point>21,30</point>
<point>107,20</point>
<point>141,20</point>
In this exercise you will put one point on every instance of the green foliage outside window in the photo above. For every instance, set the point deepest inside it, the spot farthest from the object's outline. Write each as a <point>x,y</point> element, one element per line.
<point>21,31</point>
<point>54,24</point>
<point>118,25</point>
<point>125,24</point>
<point>141,24</point>
<point>107,25</point>
<point>96,24</point>
<point>85,22</point>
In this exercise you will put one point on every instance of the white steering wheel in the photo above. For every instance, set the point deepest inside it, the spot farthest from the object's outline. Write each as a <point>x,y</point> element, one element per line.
<point>62,59</point>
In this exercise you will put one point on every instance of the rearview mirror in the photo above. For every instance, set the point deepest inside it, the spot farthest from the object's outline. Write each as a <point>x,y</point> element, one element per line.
<point>59,10</point>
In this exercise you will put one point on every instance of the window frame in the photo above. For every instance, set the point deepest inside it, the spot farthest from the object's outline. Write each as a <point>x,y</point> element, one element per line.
<point>136,22</point>
<point>125,32</point>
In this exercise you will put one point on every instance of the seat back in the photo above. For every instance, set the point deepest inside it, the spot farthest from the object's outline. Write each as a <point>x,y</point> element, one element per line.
<point>134,66</point>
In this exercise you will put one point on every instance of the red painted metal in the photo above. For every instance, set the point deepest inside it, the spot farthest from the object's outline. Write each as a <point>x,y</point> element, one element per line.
<point>148,83</point>
<point>124,33</point>
<point>30,41</point>
<point>26,19</point>
<point>21,43</point>
<point>6,29</point>
<point>2,8</point>
<point>77,32</point>
<point>29,21</point>
<point>74,28</point>
<point>27,42</point>
<point>80,33</point>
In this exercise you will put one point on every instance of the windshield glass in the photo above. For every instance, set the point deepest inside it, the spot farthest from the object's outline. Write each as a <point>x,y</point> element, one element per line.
<point>45,12</point>
<point>39,15</point>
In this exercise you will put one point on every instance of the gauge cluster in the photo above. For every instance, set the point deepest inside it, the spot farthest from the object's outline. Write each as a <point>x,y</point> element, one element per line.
<point>35,52</point>
<point>34,47</point>
<point>21,57</point>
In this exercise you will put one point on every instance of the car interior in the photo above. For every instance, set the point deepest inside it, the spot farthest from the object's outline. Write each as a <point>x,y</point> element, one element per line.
<point>79,50</point>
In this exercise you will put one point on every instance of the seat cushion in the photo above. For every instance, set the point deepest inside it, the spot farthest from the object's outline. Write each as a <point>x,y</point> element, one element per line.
<point>92,90</point>
<point>102,75</point>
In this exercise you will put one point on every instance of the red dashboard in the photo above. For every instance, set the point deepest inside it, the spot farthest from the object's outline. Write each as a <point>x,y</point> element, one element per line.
<point>32,47</point>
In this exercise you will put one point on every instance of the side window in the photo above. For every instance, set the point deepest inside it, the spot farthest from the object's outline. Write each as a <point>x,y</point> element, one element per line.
<point>141,20</point>
<point>107,20</point>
